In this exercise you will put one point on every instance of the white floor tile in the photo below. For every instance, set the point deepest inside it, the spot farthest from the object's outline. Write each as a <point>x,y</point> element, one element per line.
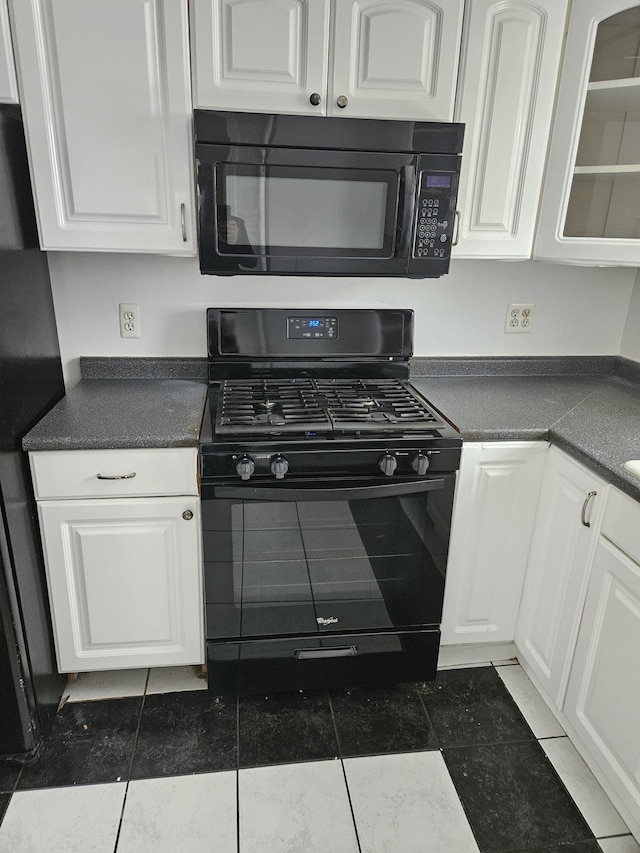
<point>407,804</point>
<point>63,820</point>
<point>172,679</point>
<point>295,808</point>
<point>529,701</point>
<point>596,807</point>
<point>111,684</point>
<point>624,844</point>
<point>197,814</point>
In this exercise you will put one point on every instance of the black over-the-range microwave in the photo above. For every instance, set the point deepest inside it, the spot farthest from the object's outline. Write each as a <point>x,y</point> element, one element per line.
<point>309,195</point>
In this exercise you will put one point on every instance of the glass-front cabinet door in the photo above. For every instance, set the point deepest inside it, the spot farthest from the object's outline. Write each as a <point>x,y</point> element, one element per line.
<point>590,211</point>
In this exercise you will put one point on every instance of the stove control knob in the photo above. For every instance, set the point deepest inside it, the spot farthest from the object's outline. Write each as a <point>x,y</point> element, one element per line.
<point>245,467</point>
<point>420,463</point>
<point>387,464</point>
<point>279,467</point>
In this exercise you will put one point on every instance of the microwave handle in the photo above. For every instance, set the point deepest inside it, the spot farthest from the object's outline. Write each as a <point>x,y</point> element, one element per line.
<point>335,493</point>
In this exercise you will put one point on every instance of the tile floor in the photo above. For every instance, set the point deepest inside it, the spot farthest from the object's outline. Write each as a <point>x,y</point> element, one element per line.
<point>146,761</point>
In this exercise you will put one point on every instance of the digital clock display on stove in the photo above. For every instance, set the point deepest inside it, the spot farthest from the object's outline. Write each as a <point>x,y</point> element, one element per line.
<point>312,328</point>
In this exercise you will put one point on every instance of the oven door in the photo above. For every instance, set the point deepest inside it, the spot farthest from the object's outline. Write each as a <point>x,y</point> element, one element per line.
<point>318,558</point>
<point>316,584</point>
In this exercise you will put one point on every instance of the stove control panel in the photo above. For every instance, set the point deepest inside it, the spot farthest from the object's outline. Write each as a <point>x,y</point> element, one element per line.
<point>265,464</point>
<point>312,328</point>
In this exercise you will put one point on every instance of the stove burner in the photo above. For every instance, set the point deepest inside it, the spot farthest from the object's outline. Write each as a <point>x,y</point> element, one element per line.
<point>321,406</point>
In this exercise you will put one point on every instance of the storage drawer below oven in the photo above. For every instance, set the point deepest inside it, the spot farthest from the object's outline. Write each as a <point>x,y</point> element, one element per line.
<point>271,666</point>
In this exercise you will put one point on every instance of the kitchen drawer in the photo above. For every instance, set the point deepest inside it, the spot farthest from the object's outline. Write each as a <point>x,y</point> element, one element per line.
<point>622,523</point>
<point>267,666</point>
<point>74,473</point>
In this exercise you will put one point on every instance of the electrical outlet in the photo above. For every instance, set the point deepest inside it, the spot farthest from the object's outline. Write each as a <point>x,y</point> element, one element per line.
<point>519,317</point>
<point>129,320</point>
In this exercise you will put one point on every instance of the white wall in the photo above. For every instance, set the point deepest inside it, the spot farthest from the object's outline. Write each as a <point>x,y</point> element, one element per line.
<point>630,347</point>
<point>579,311</point>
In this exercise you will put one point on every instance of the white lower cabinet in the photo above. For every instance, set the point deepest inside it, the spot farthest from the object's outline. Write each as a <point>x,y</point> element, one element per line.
<point>603,694</point>
<point>566,531</point>
<point>124,575</point>
<point>496,498</point>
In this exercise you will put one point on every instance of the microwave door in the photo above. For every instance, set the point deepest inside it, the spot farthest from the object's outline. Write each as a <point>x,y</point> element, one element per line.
<point>306,212</point>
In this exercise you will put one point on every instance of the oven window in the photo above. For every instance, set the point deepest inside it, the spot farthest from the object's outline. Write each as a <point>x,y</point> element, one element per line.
<point>308,567</point>
<point>294,210</point>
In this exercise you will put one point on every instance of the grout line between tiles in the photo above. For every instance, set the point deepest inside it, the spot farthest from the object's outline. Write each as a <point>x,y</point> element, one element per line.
<point>238,773</point>
<point>353,817</point>
<point>133,752</point>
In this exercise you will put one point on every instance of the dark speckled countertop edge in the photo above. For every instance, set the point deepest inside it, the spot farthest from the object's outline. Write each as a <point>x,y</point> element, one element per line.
<point>609,370</point>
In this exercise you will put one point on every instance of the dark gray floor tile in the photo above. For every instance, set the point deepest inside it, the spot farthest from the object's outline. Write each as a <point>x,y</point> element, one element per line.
<point>513,798</point>
<point>472,706</point>
<point>286,727</point>
<point>8,775</point>
<point>375,720</point>
<point>4,802</point>
<point>89,742</point>
<point>184,733</point>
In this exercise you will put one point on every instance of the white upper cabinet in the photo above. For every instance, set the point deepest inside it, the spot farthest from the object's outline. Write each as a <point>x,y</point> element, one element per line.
<point>8,84</point>
<point>590,211</point>
<point>395,58</point>
<point>260,55</point>
<point>107,108</point>
<point>369,58</point>
<point>508,70</point>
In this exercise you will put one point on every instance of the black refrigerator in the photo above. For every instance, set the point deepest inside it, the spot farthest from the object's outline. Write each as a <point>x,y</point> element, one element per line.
<point>30,383</point>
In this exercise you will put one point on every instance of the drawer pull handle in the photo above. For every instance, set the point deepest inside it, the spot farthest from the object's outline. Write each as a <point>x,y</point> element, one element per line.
<point>584,508</point>
<point>116,476</point>
<point>338,652</point>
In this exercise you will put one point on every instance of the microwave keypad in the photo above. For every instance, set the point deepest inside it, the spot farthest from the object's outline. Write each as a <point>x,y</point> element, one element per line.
<point>433,222</point>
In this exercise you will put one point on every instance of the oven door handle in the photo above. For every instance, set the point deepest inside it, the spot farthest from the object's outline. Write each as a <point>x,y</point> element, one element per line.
<point>285,493</point>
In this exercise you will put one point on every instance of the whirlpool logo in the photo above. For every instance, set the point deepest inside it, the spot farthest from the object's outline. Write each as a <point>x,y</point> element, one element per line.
<point>332,620</point>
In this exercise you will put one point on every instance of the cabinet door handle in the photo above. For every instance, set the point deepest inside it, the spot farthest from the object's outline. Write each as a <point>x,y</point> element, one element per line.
<point>116,476</point>
<point>456,229</point>
<point>315,99</point>
<point>584,508</point>
<point>183,223</point>
<point>342,101</point>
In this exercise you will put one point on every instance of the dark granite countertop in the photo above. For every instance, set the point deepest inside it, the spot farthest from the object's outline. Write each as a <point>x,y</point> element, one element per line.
<point>594,418</point>
<point>101,414</point>
<point>592,410</point>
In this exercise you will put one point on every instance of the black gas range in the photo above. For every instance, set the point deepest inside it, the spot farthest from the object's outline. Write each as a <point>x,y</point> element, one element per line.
<point>327,493</point>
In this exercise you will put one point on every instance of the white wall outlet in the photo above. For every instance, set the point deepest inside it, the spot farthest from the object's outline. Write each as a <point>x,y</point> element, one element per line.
<point>129,320</point>
<point>519,317</point>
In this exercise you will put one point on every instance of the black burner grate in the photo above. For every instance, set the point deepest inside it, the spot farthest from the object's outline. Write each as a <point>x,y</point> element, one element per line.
<point>320,405</point>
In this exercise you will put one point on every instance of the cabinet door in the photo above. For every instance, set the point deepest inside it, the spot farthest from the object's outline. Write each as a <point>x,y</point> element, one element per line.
<point>558,570</point>
<point>107,108</point>
<point>124,582</point>
<point>590,210</point>
<point>8,84</point>
<point>509,63</point>
<point>395,59</point>
<point>260,55</point>
<point>603,695</point>
<point>496,497</point>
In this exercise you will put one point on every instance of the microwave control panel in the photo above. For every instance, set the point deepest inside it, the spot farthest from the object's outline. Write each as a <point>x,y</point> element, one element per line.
<point>434,215</point>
